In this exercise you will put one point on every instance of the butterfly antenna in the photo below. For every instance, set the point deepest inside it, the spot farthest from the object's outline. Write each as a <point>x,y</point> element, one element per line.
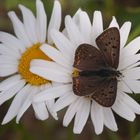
<point>128,86</point>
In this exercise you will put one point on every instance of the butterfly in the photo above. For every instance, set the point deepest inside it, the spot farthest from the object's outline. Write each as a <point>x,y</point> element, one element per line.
<point>97,68</point>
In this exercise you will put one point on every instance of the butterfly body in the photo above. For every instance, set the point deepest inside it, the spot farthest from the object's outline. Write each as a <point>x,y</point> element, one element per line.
<point>104,73</point>
<point>97,68</point>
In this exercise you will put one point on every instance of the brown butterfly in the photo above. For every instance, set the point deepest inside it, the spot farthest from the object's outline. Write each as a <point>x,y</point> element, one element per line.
<point>97,76</point>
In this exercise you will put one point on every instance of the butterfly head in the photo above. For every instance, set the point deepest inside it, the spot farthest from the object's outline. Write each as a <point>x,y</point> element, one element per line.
<point>75,72</point>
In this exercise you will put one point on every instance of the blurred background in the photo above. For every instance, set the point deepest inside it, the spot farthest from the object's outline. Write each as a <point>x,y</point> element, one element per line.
<point>32,129</point>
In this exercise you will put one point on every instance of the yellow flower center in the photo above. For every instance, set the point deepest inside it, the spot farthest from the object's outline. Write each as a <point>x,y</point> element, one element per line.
<point>24,65</point>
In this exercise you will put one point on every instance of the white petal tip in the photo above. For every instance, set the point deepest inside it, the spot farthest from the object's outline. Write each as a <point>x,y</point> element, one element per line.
<point>4,122</point>
<point>54,114</point>
<point>43,118</point>
<point>98,132</point>
<point>17,120</point>
<point>56,2</point>
<point>68,17</point>
<point>138,112</point>
<point>38,1</point>
<point>20,6</point>
<point>56,118</point>
<point>65,124</point>
<point>132,119</point>
<point>76,131</point>
<point>11,13</point>
<point>115,129</point>
<point>97,12</point>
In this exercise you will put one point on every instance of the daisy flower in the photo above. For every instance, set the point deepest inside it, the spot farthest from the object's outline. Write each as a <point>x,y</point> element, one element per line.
<point>79,30</point>
<point>16,54</point>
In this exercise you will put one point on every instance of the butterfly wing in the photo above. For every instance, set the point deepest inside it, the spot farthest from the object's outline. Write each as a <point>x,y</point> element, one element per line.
<point>109,44</point>
<point>105,94</point>
<point>102,90</point>
<point>83,86</point>
<point>88,58</point>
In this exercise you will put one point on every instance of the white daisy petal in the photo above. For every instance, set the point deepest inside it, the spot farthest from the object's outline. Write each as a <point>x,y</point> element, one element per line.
<point>124,32</point>
<point>132,48</point>
<point>127,62</point>
<point>81,116</point>
<point>71,111</point>
<point>73,32</point>
<point>8,83</point>
<point>85,26</point>
<point>5,59</point>
<point>41,22</point>
<point>97,26</point>
<point>6,95</point>
<point>49,65</point>
<point>52,93</point>
<point>122,85</point>
<point>8,62</point>
<point>55,20</point>
<point>29,23</point>
<point>51,74</point>
<point>55,84</point>
<point>26,103</point>
<point>7,51</point>
<point>12,42</point>
<point>40,110</point>
<point>64,101</point>
<point>130,102</point>
<point>76,17</point>
<point>123,110</point>
<point>114,23</point>
<point>19,29</point>
<point>16,104</point>
<point>132,74</point>
<point>50,104</point>
<point>7,69</point>
<point>109,119</point>
<point>55,55</point>
<point>8,58</point>
<point>63,44</point>
<point>133,85</point>
<point>97,117</point>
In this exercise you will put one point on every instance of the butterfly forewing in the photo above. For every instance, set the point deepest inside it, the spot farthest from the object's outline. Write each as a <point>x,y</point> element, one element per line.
<point>109,44</point>
<point>105,94</point>
<point>88,58</point>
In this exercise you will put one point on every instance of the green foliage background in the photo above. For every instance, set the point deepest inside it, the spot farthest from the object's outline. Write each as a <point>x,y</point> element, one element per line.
<point>32,129</point>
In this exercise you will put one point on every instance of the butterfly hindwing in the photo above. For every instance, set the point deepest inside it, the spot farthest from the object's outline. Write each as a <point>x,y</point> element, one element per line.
<point>109,44</point>
<point>88,57</point>
<point>105,94</point>
<point>84,86</point>
<point>102,90</point>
